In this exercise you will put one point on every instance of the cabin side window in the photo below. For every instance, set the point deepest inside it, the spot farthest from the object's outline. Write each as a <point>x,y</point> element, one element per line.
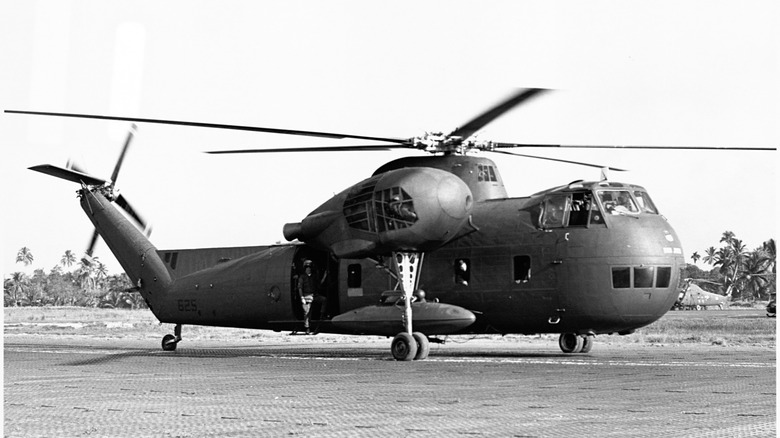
<point>643,276</point>
<point>462,269</point>
<point>663,277</point>
<point>621,277</point>
<point>522,269</point>
<point>639,277</point>
<point>171,259</point>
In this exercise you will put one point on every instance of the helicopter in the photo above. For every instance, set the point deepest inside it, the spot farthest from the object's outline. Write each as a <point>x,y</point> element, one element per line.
<point>693,297</point>
<point>426,246</point>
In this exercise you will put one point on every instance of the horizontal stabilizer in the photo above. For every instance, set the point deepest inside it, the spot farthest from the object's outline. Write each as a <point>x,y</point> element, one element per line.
<point>69,174</point>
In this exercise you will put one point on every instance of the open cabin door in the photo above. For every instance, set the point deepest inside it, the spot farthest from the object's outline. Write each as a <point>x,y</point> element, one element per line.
<point>325,271</point>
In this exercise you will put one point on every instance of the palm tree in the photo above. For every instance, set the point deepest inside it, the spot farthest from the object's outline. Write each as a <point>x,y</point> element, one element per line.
<point>769,248</point>
<point>16,285</point>
<point>101,272</point>
<point>84,275</point>
<point>709,258</point>
<point>732,259</point>
<point>24,256</point>
<point>727,236</point>
<point>755,273</point>
<point>68,259</point>
<point>695,257</point>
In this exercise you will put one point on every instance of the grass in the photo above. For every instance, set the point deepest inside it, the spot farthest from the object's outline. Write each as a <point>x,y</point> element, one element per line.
<point>727,328</point>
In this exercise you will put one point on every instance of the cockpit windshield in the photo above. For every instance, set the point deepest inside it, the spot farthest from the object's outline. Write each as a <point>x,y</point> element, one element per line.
<point>618,202</point>
<point>645,203</point>
<point>581,209</point>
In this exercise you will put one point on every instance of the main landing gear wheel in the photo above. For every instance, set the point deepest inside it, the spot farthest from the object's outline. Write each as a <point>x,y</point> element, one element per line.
<point>423,346</point>
<point>587,343</point>
<point>570,342</point>
<point>404,347</point>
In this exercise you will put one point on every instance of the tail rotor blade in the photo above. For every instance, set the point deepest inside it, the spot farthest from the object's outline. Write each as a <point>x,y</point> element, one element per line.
<point>92,243</point>
<point>122,202</point>
<point>118,166</point>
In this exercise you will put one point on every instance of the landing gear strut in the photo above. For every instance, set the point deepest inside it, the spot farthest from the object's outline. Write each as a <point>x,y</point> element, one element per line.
<point>408,345</point>
<point>574,343</point>
<point>169,341</point>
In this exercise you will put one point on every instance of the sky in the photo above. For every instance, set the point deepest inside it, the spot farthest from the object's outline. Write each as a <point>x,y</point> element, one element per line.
<point>623,72</point>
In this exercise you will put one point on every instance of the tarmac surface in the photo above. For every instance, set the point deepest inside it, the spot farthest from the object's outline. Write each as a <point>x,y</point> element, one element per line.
<point>328,385</point>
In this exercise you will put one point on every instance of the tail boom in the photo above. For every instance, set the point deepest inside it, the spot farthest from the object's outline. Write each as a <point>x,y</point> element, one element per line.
<point>129,245</point>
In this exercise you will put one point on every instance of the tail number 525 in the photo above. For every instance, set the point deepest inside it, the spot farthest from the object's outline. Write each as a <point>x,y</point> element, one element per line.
<point>187,305</point>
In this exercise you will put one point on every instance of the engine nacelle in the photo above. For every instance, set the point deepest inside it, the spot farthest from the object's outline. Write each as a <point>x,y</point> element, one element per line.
<point>411,209</point>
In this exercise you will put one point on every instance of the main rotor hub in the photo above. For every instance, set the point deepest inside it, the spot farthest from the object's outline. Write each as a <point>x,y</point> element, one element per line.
<point>439,142</point>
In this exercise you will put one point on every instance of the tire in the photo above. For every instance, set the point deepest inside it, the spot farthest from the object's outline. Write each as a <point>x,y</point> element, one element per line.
<point>587,343</point>
<point>423,346</point>
<point>570,343</point>
<point>169,343</point>
<point>404,347</point>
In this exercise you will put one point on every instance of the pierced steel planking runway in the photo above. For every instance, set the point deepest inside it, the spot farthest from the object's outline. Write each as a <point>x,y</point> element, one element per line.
<point>352,387</point>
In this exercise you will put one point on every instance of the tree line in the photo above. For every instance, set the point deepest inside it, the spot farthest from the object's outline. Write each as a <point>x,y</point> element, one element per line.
<point>72,282</point>
<point>737,272</point>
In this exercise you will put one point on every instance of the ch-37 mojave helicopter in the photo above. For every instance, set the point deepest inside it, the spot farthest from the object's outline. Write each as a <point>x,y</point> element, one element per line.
<point>579,260</point>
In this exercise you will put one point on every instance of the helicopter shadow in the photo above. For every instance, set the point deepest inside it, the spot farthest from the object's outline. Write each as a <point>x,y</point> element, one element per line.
<point>308,353</point>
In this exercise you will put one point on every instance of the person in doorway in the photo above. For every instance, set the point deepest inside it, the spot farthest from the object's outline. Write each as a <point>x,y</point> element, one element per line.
<point>309,292</point>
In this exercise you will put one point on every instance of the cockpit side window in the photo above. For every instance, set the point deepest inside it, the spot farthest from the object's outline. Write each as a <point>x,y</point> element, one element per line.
<point>618,202</point>
<point>645,203</point>
<point>576,209</point>
<point>581,204</point>
<point>555,210</point>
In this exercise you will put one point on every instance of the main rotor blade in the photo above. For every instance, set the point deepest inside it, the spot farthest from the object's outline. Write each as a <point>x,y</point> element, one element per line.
<point>215,125</point>
<point>693,148</point>
<point>312,149</point>
<point>118,166</point>
<point>560,160</point>
<point>477,123</point>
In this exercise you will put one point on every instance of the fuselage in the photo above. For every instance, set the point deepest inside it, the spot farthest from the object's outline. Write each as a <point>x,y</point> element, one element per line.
<point>585,258</point>
<point>539,264</point>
